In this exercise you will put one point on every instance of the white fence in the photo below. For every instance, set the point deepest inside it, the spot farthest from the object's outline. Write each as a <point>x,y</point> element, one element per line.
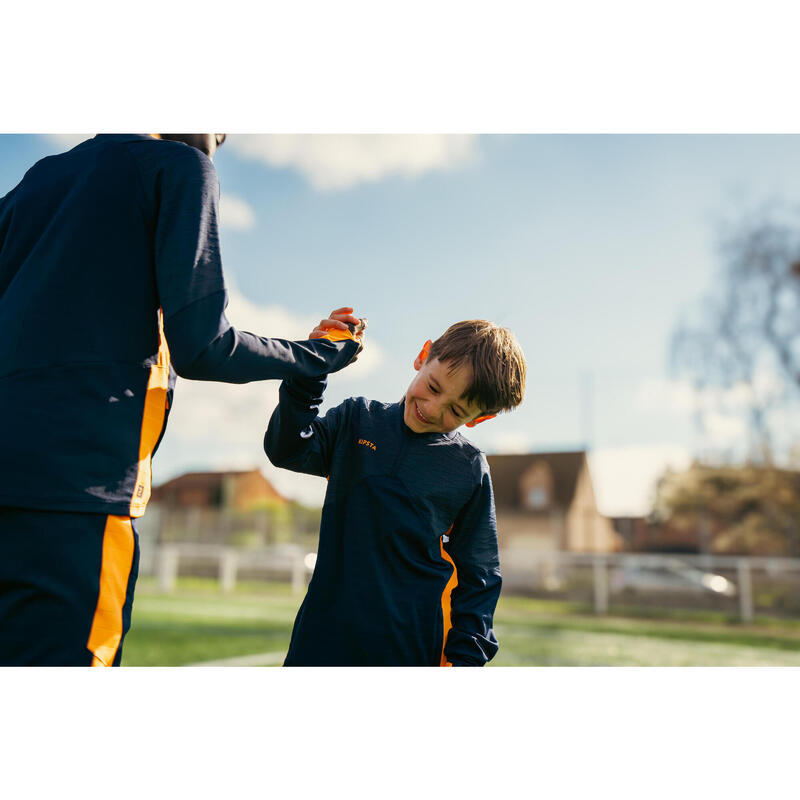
<point>259,545</point>
<point>741,586</point>
<point>736,584</point>
<point>287,562</point>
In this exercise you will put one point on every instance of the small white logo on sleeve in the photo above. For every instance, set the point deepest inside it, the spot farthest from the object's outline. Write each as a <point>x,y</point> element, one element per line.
<point>445,538</point>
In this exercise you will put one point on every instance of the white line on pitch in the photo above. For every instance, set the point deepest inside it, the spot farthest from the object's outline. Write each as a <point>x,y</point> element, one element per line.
<point>253,660</point>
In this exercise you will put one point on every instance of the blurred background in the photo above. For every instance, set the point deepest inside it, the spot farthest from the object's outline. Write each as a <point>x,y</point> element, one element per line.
<point>647,491</point>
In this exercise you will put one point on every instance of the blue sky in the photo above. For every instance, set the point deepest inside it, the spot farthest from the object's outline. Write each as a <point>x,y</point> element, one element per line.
<point>587,247</point>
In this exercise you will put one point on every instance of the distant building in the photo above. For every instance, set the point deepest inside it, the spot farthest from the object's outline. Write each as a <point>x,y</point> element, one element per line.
<point>546,502</point>
<point>632,530</point>
<point>642,536</point>
<point>238,491</point>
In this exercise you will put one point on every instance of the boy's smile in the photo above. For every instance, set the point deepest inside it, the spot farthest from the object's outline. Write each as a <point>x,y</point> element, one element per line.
<point>435,400</point>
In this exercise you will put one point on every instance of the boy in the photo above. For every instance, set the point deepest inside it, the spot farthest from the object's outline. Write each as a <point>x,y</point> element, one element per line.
<point>407,571</point>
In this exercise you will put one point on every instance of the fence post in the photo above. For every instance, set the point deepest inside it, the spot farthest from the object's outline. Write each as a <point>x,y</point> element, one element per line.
<point>263,526</point>
<point>298,573</point>
<point>224,527</point>
<point>167,568</point>
<point>228,567</point>
<point>745,590</point>
<point>600,585</point>
<point>192,528</point>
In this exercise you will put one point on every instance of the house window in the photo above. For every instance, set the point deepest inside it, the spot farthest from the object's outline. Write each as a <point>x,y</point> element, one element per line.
<point>536,487</point>
<point>537,497</point>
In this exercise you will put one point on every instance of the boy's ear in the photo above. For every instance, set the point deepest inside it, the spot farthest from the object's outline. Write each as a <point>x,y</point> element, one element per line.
<point>478,420</point>
<point>423,355</point>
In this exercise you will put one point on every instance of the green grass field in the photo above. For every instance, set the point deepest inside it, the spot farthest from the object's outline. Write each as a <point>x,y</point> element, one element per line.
<point>199,624</point>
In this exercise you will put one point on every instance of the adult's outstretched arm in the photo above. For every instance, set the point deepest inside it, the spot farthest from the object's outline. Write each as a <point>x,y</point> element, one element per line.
<point>205,346</point>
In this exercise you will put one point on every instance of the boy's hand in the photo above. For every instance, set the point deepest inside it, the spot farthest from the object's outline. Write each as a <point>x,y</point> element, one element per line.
<point>338,320</point>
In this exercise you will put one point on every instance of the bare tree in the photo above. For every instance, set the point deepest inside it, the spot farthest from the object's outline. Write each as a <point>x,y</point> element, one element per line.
<point>743,340</point>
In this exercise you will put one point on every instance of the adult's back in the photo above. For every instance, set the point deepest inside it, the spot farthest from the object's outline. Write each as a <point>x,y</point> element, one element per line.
<point>110,283</point>
<point>98,247</point>
<point>92,243</point>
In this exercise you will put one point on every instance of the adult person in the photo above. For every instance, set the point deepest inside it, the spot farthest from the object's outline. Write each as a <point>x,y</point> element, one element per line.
<point>111,282</point>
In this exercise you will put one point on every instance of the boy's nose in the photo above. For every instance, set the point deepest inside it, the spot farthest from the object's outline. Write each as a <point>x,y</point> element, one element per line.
<point>435,410</point>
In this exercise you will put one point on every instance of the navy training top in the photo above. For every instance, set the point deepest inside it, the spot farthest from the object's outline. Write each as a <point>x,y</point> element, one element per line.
<point>110,283</point>
<point>407,570</point>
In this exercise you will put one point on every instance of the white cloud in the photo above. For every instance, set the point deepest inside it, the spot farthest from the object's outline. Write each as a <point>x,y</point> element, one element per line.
<point>725,412</point>
<point>658,395</point>
<point>235,213</point>
<point>265,320</point>
<point>724,430</point>
<point>624,478</point>
<point>229,413</point>
<point>768,385</point>
<point>343,160</point>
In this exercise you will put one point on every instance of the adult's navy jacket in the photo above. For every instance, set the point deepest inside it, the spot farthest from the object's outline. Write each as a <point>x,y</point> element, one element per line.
<point>407,570</point>
<point>110,283</point>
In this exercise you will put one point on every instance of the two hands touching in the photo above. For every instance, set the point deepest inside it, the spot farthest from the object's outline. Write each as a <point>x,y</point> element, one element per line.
<point>341,324</point>
<point>338,320</point>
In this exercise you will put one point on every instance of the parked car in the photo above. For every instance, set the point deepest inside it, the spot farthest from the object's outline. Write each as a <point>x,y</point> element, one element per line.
<point>671,576</point>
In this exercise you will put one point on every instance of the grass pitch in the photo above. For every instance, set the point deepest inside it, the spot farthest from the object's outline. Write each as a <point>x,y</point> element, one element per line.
<point>252,625</point>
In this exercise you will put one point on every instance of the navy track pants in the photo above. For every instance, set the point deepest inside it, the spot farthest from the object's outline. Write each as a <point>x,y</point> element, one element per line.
<point>66,587</point>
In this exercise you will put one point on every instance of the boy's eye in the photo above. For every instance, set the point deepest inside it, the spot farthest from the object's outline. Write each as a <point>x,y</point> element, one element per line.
<point>431,387</point>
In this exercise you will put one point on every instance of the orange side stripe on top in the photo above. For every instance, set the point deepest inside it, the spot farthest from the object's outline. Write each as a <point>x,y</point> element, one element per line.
<point>106,632</point>
<point>448,590</point>
<point>155,406</point>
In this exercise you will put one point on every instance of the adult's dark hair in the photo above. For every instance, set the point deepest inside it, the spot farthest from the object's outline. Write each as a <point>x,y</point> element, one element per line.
<point>205,142</point>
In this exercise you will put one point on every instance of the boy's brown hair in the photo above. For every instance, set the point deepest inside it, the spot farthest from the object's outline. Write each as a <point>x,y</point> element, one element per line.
<point>496,360</point>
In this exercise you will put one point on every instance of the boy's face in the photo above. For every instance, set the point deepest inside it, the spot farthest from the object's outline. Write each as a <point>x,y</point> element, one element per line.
<point>435,399</point>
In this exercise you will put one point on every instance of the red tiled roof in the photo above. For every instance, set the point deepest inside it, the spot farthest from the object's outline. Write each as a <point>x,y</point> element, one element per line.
<point>202,480</point>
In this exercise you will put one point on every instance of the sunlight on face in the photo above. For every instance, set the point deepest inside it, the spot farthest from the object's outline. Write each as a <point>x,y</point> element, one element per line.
<point>435,400</point>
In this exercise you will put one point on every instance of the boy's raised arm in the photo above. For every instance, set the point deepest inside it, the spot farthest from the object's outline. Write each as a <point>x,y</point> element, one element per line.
<point>473,548</point>
<point>297,438</point>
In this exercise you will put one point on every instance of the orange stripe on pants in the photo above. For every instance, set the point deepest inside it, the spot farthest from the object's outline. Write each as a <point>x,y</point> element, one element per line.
<point>106,633</point>
<point>447,622</point>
